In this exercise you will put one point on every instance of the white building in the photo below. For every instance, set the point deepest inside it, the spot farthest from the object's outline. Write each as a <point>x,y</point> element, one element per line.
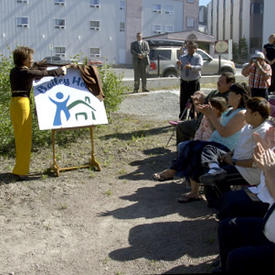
<point>97,29</point>
<point>268,24</point>
<point>235,19</point>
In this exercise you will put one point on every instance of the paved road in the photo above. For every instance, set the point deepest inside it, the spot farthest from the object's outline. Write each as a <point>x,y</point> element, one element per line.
<point>155,105</point>
<point>129,73</point>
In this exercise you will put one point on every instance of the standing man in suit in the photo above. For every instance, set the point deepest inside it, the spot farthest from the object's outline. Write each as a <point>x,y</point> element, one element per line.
<point>140,51</point>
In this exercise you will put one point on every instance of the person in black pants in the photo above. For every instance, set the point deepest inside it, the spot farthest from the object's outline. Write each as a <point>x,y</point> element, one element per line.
<point>190,65</point>
<point>247,244</point>
<point>269,51</point>
<point>185,130</point>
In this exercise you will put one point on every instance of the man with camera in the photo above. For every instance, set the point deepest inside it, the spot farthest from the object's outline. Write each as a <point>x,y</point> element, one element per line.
<point>259,73</point>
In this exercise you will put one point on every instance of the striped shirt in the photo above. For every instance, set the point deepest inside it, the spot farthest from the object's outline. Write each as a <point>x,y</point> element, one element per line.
<point>256,77</point>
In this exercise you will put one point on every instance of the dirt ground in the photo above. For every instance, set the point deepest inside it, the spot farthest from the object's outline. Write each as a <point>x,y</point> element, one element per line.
<point>116,221</point>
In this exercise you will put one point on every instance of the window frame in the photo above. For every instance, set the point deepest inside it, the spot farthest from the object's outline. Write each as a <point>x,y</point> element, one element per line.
<point>122,26</point>
<point>168,26</point>
<point>122,5</point>
<point>95,28</point>
<point>157,8</point>
<point>59,2</point>
<point>187,21</point>
<point>22,1</point>
<point>95,3</point>
<point>22,24</point>
<point>98,54</point>
<point>167,10</point>
<point>155,28</point>
<point>59,26</point>
<point>61,53</point>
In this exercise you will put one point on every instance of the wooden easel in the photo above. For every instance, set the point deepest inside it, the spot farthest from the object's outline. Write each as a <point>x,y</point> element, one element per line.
<point>92,162</point>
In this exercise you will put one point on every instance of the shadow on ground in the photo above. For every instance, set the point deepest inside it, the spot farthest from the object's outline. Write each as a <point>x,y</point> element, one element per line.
<point>159,159</point>
<point>139,133</point>
<point>205,267</point>
<point>7,178</point>
<point>169,241</point>
<point>159,201</point>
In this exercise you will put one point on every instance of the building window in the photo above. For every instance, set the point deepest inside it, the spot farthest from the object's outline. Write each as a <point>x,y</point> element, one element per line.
<point>157,8</point>
<point>94,52</point>
<point>60,51</point>
<point>122,27</point>
<point>59,23</point>
<point>256,8</point>
<point>94,3</point>
<point>22,22</point>
<point>190,1</point>
<point>59,2</point>
<point>95,25</point>
<point>157,28</point>
<point>168,10</point>
<point>169,28</point>
<point>23,1</point>
<point>190,22</point>
<point>122,5</point>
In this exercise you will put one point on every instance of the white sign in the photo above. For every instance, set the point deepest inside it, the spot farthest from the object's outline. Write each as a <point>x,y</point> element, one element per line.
<point>65,102</point>
<point>221,46</point>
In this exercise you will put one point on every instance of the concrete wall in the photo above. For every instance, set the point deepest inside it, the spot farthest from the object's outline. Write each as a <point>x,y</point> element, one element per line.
<point>190,10</point>
<point>133,24</point>
<point>236,20</point>
<point>268,24</point>
<point>222,26</point>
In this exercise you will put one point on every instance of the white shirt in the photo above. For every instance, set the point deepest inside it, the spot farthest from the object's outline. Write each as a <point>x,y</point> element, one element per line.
<point>245,148</point>
<point>262,192</point>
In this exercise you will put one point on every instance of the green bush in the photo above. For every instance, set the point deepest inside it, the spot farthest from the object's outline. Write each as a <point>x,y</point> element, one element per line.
<point>6,132</point>
<point>113,90</point>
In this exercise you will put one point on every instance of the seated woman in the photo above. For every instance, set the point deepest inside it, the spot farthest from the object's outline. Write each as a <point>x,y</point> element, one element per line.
<point>247,244</point>
<point>204,131</point>
<point>224,137</point>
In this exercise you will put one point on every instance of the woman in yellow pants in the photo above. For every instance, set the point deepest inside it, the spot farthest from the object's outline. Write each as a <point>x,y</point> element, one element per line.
<point>21,78</point>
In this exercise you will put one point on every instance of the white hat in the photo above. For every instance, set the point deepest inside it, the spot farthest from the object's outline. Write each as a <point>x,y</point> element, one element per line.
<point>258,54</point>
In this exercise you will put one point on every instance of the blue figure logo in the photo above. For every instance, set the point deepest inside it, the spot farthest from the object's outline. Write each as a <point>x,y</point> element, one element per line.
<point>60,106</point>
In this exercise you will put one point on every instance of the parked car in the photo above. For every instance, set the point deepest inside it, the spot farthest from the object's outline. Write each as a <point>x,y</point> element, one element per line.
<point>168,57</point>
<point>56,60</point>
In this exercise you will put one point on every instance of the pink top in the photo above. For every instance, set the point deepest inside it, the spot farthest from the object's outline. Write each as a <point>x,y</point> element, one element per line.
<point>204,131</point>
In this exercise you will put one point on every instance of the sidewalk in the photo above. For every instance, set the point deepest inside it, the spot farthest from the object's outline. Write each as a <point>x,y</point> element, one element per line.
<point>160,83</point>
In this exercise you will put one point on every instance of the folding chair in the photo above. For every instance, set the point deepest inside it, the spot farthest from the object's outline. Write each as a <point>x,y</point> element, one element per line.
<point>185,116</point>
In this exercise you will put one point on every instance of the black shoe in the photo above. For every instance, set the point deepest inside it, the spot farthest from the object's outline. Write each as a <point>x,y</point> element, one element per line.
<point>210,179</point>
<point>135,91</point>
<point>145,91</point>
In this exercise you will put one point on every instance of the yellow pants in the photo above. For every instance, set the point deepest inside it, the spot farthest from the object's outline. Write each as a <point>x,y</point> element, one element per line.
<point>21,118</point>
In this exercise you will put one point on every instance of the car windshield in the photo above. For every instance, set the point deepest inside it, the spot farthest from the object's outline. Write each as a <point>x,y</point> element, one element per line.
<point>203,55</point>
<point>163,54</point>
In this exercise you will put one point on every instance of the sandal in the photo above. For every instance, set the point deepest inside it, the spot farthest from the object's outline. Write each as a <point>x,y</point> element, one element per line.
<point>186,199</point>
<point>163,176</point>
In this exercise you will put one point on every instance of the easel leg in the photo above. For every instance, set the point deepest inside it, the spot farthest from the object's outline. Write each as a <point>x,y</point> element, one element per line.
<point>93,162</point>
<point>55,166</point>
